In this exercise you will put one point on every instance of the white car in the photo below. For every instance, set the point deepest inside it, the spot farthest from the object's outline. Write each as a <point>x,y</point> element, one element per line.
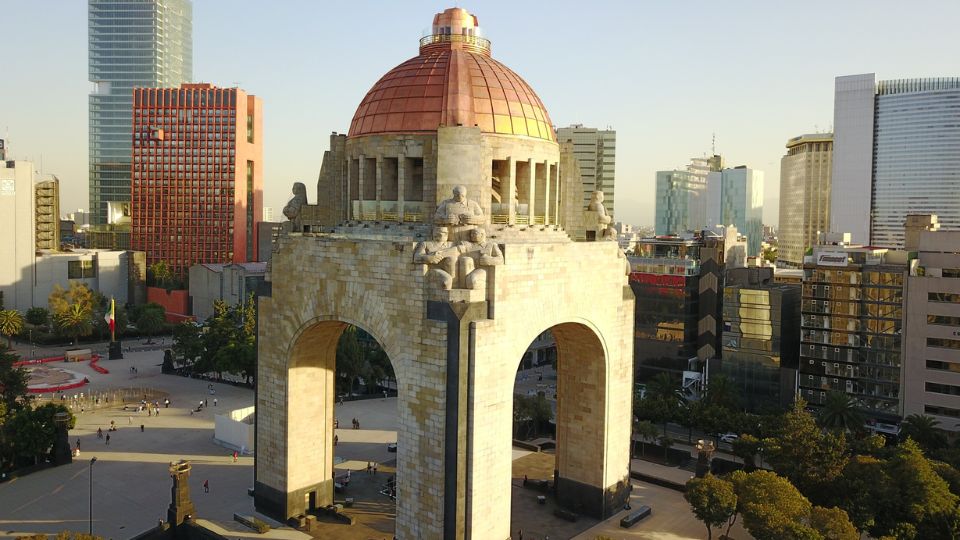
<point>729,437</point>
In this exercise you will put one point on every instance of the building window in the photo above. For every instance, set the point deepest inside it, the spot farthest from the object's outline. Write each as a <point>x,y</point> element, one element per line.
<point>943,297</point>
<point>943,320</point>
<point>941,411</point>
<point>940,365</point>
<point>938,388</point>
<point>81,269</point>
<point>943,343</point>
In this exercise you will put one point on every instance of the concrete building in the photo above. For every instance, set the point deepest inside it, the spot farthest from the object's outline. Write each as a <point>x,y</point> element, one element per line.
<point>47,214</point>
<point>804,196</point>
<point>230,283</point>
<point>734,246</point>
<point>148,43</point>
<point>267,235</point>
<point>899,141</point>
<point>115,274</point>
<point>19,234</point>
<point>197,191</point>
<point>455,336</point>
<point>735,197</point>
<point>851,340</point>
<point>596,153</point>
<point>761,338</point>
<point>677,281</point>
<point>931,366</point>
<point>268,213</point>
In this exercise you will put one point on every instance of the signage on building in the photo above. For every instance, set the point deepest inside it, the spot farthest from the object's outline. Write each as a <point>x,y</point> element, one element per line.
<point>832,258</point>
<point>659,280</point>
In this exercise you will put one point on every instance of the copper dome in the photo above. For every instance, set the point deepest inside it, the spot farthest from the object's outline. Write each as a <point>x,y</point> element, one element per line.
<point>453,81</point>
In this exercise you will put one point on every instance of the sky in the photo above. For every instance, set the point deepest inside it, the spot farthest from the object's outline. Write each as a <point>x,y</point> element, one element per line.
<point>668,76</point>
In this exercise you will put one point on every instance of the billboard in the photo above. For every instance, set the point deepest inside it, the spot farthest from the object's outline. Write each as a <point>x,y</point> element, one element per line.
<point>832,258</point>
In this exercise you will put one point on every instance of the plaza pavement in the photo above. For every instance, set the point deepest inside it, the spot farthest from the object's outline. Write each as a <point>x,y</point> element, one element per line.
<point>131,484</point>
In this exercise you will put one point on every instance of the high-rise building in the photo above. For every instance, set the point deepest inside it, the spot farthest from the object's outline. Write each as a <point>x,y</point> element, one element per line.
<point>596,153</point>
<point>18,247</point>
<point>47,213</point>
<point>682,197</point>
<point>268,213</point>
<point>852,310</point>
<point>735,197</point>
<point>931,347</point>
<point>677,282</point>
<point>197,175</point>
<point>804,196</point>
<point>760,338</point>
<point>899,142</point>
<point>142,43</point>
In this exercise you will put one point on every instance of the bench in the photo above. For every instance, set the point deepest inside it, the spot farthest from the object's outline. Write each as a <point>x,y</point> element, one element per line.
<point>565,514</point>
<point>635,517</point>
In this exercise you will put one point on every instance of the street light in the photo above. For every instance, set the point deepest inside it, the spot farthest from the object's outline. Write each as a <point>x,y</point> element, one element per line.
<point>92,461</point>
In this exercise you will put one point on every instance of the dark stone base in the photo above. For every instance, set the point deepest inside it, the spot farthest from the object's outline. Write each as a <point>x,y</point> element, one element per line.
<point>282,506</point>
<point>116,351</point>
<point>590,500</point>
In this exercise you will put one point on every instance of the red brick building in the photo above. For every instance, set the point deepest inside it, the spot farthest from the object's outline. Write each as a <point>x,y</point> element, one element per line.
<point>197,189</point>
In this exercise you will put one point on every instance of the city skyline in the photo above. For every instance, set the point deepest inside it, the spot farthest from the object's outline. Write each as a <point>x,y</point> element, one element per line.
<point>659,126</point>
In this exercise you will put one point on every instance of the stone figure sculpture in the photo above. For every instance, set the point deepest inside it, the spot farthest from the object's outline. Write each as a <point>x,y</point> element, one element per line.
<point>596,206</point>
<point>294,208</point>
<point>479,253</point>
<point>458,210</point>
<point>441,255</point>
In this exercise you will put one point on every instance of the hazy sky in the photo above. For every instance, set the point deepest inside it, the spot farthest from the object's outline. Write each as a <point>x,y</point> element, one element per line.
<point>666,75</point>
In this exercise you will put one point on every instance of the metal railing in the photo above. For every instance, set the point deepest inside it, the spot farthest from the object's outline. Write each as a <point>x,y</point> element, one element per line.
<point>480,43</point>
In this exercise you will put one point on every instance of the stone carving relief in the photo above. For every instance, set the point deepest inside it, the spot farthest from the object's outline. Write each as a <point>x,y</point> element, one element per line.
<point>440,255</point>
<point>294,208</point>
<point>458,210</point>
<point>597,218</point>
<point>461,265</point>
<point>479,254</point>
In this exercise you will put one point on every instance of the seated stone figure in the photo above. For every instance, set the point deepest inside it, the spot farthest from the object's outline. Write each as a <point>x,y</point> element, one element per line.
<point>458,210</point>
<point>294,208</point>
<point>596,206</point>
<point>440,255</point>
<point>478,253</point>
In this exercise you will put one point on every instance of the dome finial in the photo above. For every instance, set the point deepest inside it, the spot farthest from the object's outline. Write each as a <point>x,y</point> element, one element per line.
<point>456,28</point>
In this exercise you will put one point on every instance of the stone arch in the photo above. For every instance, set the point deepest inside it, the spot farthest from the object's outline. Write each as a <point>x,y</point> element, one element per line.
<point>582,414</point>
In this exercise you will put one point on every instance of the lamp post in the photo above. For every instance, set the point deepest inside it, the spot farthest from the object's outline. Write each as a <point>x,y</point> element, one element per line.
<point>92,461</point>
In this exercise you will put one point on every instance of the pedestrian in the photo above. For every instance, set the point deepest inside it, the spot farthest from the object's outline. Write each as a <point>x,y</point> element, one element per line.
<point>335,440</point>
<point>78,444</point>
<point>341,400</point>
<point>374,468</point>
<point>206,403</point>
<point>384,394</point>
<point>156,412</point>
<point>369,466</point>
<point>141,428</point>
<point>99,433</point>
<point>235,456</point>
<point>520,534</point>
<point>129,419</point>
<point>214,402</point>
<point>108,439</point>
<point>166,404</point>
<point>201,404</point>
<point>206,486</point>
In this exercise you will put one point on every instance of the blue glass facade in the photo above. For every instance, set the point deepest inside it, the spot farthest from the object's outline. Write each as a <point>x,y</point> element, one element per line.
<point>132,43</point>
<point>916,148</point>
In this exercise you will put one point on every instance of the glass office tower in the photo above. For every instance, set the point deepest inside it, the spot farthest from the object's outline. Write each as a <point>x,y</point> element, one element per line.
<point>916,163</point>
<point>132,43</point>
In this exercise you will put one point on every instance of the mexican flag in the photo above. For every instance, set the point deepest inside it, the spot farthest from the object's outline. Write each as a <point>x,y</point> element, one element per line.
<point>110,317</point>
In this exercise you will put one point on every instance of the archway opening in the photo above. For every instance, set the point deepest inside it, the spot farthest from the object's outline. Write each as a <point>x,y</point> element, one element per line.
<point>343,437</point>
<point>559,418</point>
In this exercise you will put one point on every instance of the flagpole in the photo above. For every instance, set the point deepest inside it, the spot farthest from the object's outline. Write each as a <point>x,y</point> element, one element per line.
<point>113,324</point>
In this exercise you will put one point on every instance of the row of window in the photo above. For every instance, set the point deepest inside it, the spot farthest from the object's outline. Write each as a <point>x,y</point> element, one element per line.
<point>938,388</point>
<point>943,343</point>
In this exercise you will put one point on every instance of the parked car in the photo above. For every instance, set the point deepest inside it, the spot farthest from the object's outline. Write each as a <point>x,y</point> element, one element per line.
<point>729,437</point>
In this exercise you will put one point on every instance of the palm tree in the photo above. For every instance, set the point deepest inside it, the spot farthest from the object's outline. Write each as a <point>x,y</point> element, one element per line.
<point>75,321</point>
<point>664,388</point>
<point>924,430</point>
<point>722,392</point>
<point>11,324</point>
<point>647,432</point>
<point>840,413</point>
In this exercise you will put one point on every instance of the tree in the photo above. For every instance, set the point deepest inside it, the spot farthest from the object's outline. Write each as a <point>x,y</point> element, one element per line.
<point>808,457</point>
<point>72,310</point>
<point>11,324</point>
<point>647,432</point>
<point>840,413</point>
<point>865,492</point>
<point>150,320</point>
<point>349,358</point>
<point>159,274</point>
<point>722,392</point>
<point>772,508</point>
<point>13,382</point>
<point>746,447</point>
<point>38,316</point>
<point>533,411</point>
<point>187,343</point>
<point>924,498</point>
<point>712,501</point>
<point>923,429</point>
<point>74,322</point>
<point>833,524</point>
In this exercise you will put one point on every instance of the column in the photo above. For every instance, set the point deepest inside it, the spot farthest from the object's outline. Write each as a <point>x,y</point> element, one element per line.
<point>360,168</point>
<point>401,161</point>
<point>556,193</point>
<point>349,213</point>
<point>379,185</point>
<point>532,179</point>
<point>511,190</point>
<point>546,192</point>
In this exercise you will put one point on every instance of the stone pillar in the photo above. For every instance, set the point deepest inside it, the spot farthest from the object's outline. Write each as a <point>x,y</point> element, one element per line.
<point>401,168</point>
<point>180,506</point>
<point>360,168</point>
<point>532,179</point>
<point>546,192</point>
<point>379,176</point>
<point>458,317</point>
<point>511,191</point>
<point>346,190</point>
<point>555,178</point>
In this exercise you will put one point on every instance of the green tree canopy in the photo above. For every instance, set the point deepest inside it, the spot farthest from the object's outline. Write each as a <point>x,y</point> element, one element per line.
<point>151,319</point>
<point>925,431</point>
<point>73,310</point>
<point>38,316</point>
<point>712,500</point>
<point>840,413</point>
<point>772,508</point>
<point>808,457</point>
<point>11,324</point>
<point>833,524</point>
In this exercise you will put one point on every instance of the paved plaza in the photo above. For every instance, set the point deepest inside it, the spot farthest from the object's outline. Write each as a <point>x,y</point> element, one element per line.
<point>131,484</point>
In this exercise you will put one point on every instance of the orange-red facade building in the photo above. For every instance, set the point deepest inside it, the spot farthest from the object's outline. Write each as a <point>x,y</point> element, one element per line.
<point>197,171</point>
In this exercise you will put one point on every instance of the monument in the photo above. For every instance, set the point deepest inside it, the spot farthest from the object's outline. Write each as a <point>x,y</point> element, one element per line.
<point>438,229</point>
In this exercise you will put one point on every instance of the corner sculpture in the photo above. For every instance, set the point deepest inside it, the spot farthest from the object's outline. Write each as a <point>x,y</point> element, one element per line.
<point>479,254</point>
<point>294,207</point>
<point>597,217</point>
<point>458,210</point>
<point>440,255</point>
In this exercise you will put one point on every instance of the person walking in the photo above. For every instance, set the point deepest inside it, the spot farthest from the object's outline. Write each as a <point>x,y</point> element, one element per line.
<point>206,486</point>
<point>108,439</point>
<point>214,402</point>
<point>235,456</point>
<point>99,433</point>
<point>374,468</point>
